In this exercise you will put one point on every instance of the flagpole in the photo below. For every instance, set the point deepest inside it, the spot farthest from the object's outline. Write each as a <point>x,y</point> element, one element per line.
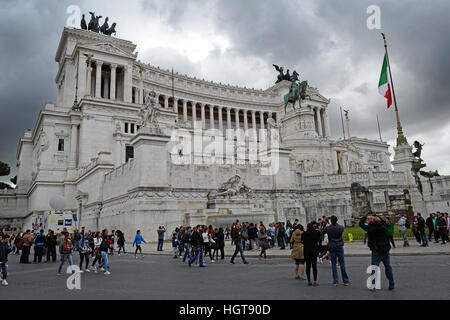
<point>379,131</point>
<point>400,137</point>
<point>342,120</point>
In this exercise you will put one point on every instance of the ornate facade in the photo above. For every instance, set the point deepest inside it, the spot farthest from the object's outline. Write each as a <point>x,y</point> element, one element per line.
<point>89,148</point>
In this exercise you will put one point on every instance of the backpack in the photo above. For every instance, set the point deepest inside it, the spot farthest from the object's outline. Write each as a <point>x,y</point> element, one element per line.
<point>407,224</point>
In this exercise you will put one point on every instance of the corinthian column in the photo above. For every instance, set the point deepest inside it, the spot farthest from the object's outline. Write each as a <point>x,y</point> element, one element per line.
<point>98,79</point>
<point>211,116</point>
<point>236,117</point>
<point>228,118</point>
<point>220,119</point>
<point>184,110</point>
<point>113,82</point>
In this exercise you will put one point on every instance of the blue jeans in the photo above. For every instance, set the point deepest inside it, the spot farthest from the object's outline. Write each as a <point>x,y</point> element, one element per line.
<point>187,252</point>
<point>424,238</point>
<point>385,257</point>
<point>104,263</point>
<point>338,253</point>
<point>65,256</point>
<point>238,249</point>
<point>198,254</point>
<point>160,244</point>
<point>123,248</point>
<point>4,267</point>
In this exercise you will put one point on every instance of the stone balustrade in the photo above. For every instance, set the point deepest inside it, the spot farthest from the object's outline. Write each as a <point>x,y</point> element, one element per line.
<point>371,178</point>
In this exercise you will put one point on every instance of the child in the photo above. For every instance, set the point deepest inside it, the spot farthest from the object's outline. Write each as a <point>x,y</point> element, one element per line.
<point>4,251</point>
<point>175,245</point>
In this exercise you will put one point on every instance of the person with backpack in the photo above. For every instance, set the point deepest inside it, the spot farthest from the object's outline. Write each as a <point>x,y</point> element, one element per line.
<point>66,249</point>
<point>39,245</point>
<point>96,251</point>
<point>105,246</point>
<point>403,226</point>
<point>84,249</point>
<point>379,245</point>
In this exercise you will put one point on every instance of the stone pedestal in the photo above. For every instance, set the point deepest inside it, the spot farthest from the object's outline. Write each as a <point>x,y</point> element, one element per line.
<point>151,156</point>
<point>403,160</point>
<point>297,125</point>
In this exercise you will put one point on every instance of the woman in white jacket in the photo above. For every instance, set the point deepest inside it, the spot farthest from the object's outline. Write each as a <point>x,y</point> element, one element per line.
<point>207,243</point>
<point>96,253</point>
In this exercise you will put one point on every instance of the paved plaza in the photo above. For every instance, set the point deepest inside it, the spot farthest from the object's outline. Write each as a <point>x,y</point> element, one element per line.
<point>162,277</point>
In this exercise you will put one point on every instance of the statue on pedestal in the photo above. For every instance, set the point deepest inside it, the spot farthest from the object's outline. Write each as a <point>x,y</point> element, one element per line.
<point>149,112</point>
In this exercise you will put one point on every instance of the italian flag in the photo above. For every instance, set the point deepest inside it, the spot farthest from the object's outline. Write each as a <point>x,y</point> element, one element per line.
<point>384,85</point>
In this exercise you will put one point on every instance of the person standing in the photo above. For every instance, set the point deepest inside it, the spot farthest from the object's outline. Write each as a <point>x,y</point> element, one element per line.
<point>236,234</point>
<point>121,242</point>
<point>403,225</point>
<point>281,235</point>
<point>138,239</point>
<point>187,243</point>
<point>39,245</point>
<point>26,247</point>
<point>104,248</point>
<point>441,226</point>
<point>389,231</point>
<point>421,230</point>
<point>379,245</point>
<point>111,240</point>
<point>208,242</point>
<point>51,246</point>
<point>311,239</point>
<point>66,249</point>
<point>219,238</point>
<point>263,241</point>
<point>297,252</point>
<point>197,247</point>
<point>336,248</point>
<point>161,230</point>
<point>5,249</point>
<point>175,245</point>
<point>84,250</point>
<point>430,225</point>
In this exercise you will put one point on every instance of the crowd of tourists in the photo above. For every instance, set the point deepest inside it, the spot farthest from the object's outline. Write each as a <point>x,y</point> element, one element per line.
<point>319,241</point>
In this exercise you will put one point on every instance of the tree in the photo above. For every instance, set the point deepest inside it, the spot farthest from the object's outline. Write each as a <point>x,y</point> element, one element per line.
<point>4,171</point>
<point>14,180</point>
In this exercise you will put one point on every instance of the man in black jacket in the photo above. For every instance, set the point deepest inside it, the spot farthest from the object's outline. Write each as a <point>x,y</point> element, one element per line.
<point>51,245</point>
<point>421,229</point>
<point>430,225</point>
<point>378,243</point>
<point>336,248</point>
<point>197,245</point>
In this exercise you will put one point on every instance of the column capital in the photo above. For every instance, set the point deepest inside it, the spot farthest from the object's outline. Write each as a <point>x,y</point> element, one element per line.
<point>113,65</point>
<point>98,62</point>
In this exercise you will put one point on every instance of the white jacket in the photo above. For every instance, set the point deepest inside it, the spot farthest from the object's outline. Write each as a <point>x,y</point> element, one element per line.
<point>97,242</point>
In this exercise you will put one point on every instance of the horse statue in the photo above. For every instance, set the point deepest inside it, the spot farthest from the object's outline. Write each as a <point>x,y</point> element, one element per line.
<point>297,91</point>
<point>94,23</point>
<point>104,26</point>
<point>280,77</point>
<point>111,30</point>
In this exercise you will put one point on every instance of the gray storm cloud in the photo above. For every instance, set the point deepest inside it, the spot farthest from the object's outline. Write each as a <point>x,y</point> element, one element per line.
<point>327,42</point>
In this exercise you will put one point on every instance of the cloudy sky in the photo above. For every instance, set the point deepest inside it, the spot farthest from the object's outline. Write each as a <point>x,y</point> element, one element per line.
<point>236,42</point>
